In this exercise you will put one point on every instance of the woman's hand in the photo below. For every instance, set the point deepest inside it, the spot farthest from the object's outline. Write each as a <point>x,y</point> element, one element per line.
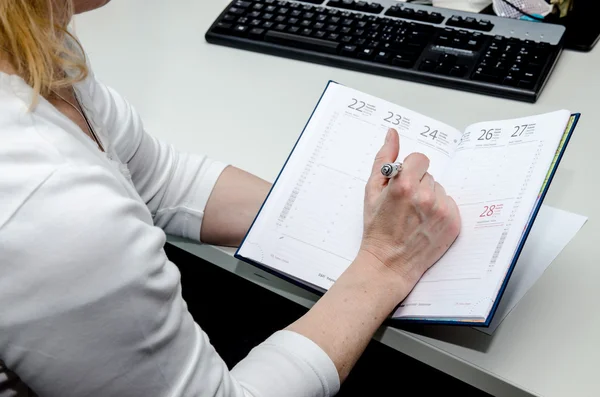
<point>409,221</point>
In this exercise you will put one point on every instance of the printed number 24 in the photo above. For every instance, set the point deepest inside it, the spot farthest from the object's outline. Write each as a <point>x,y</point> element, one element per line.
<point>428,133</point>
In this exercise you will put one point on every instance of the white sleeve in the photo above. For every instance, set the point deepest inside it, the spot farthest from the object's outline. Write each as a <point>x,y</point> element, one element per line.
<point>175,185</point>
<point>91,306</point>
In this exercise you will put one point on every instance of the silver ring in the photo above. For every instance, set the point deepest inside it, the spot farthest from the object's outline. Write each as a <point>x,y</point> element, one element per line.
<point>390,170</point>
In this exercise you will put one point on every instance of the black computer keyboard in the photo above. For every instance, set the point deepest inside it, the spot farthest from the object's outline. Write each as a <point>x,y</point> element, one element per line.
<point>472,52</point>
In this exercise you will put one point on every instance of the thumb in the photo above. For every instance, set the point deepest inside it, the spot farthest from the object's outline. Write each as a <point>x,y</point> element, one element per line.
<point>387,154</point>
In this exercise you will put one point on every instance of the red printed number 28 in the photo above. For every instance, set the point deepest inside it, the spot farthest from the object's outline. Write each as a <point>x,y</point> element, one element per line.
<point>488,211</point>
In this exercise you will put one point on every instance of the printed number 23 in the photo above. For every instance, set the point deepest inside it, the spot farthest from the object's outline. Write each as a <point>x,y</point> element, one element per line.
<point>393,118</point>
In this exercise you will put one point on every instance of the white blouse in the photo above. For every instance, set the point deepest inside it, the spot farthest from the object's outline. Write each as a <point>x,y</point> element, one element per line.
<point>89,303</point>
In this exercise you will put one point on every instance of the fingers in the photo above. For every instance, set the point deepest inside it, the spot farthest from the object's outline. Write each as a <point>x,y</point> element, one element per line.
<point>415,166</point>
<point>455,225</point>
<point>387,154</point>
<point>428,182</point>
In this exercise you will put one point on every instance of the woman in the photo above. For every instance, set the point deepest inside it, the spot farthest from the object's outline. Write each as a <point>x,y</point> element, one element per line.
<point>91,306</point>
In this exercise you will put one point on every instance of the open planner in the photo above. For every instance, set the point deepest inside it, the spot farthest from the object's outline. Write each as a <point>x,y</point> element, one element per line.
<point>309,229</point>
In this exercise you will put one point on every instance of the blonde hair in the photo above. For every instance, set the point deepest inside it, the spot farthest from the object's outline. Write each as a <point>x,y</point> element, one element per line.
<point>39,46</point>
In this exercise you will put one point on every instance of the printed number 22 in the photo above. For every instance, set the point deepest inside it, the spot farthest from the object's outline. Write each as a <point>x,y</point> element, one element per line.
<point>357,102</point>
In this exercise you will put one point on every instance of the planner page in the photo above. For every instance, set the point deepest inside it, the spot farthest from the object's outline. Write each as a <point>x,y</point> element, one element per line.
<point>310,226</point>
<point>495,177</point>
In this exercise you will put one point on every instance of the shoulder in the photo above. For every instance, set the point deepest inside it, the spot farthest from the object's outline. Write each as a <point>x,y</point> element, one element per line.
<point>26,158</point>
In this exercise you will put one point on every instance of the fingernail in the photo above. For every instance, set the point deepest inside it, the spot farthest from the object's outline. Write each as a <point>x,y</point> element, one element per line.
<point>389,135</point>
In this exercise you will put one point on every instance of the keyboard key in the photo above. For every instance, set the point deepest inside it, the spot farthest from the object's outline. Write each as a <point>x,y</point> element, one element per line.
<point>345,30</point>
<point>458,71</point>
<point>320,34</point>
<point>443,68</point>
<point>256,33</point>
<point>267,17</point>
<point>346,39</point>
<point>428,65</point>
<point>435,17</point>
<point>348,50</point>
<point>236,11</point>
<point>270,9</point>
<point>382,56</point>
<point>480,75</point>
<point>222,27</point>
<point>374,8</point>
<point>258,6</point>
<point>349,4</point>
<point>267,24</point>
<point>473,45</point>
<point>319,25</point>
<point>443,40</point>
<point>283,11</point>
<point>470,23</point>
<point>305,23</point>
<point>240,30</point>
<point>510,81</point>
<point>485,26</point>
<point>403,61</point>
<point>449,59</point>
<point>331,28</point>
<point>306,32</point>
<point>333,36</point>
<point>280,18</point>
<point>280,27</point>
<point>313,1</point>
<point>293,29</point>
<point>255,22</point>
<point>365,53</point>
<point>296,13</point>
<point>243,4</point>
<point>527,84</point>
<point>308,43</point>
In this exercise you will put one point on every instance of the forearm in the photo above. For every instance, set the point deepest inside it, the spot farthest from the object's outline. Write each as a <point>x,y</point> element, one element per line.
<point>344,320</point>
<point>232,206</point>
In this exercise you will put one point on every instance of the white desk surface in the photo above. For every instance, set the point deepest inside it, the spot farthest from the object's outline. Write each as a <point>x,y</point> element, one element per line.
<point>248,109</point>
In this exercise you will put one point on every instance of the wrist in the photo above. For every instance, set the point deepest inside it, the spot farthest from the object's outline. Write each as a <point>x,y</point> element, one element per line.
<point>374,271</point>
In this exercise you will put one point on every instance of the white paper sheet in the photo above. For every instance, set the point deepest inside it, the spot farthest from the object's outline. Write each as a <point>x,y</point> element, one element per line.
<point>551,232</point>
